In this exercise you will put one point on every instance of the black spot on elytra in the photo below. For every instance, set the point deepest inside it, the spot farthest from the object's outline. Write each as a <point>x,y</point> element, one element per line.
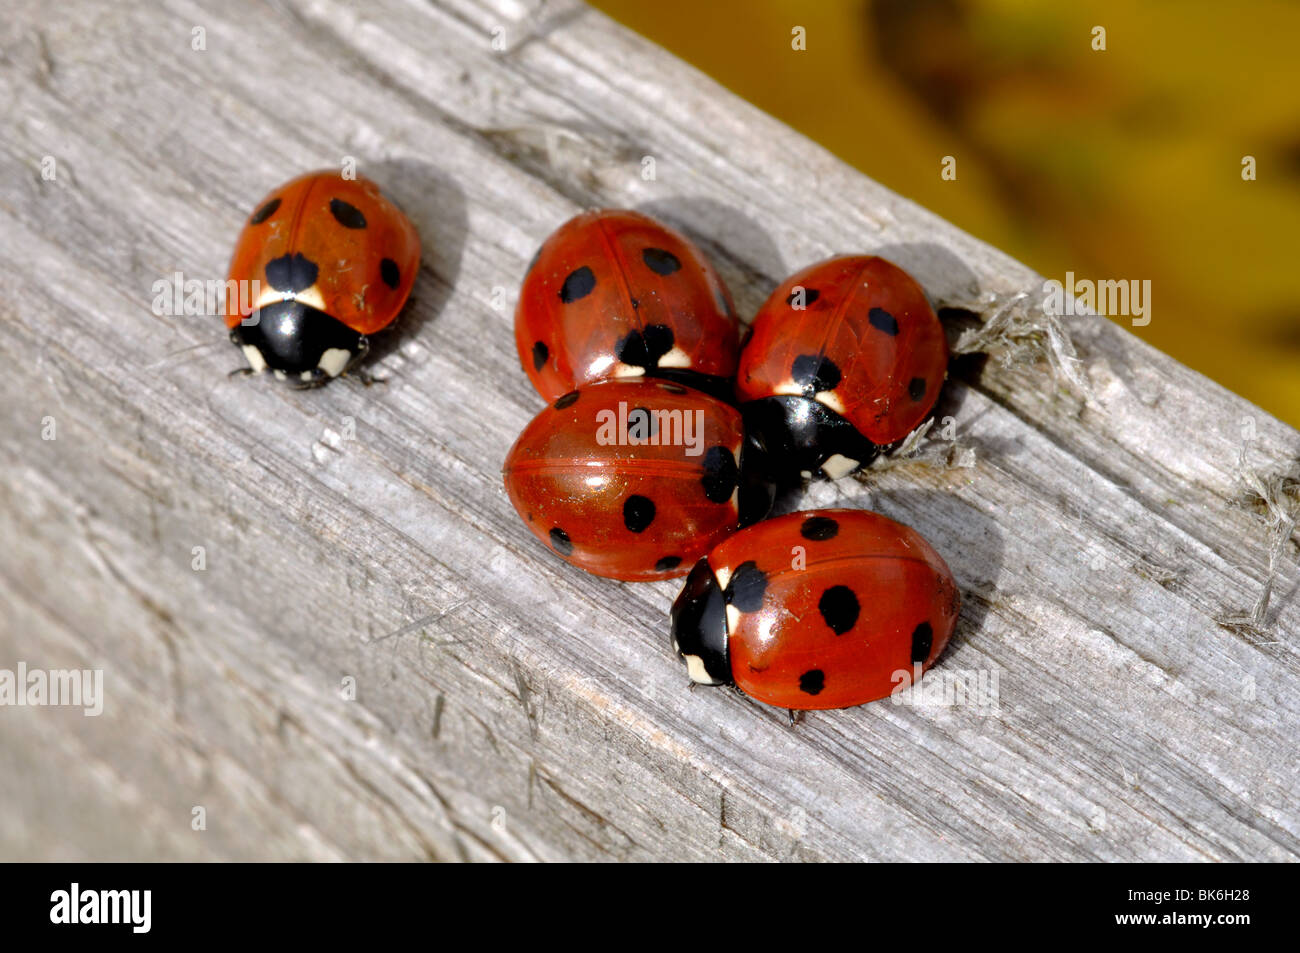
<point>882,320</point>
<point>815,373</point>
<point>644,348</point>
<point>720,474</point>
<point>809,296</point>
<point>839,607</point>
<point>540,353</point>
<point>638,513</point>
<point>667,563</point>
<point>916,388</point>
<point>560,542</point>
<point>566,400</point>
<point>347,215</point>
<point>642,425</point>
<point>922,639</point>
<point>660,262</point>
<point>390,273</point>
<point>265,212</point>
<point>819,528</point>
<point>577,285</point>
<point>746,588</point>
<point>812,681</point>
<point>291,273</point>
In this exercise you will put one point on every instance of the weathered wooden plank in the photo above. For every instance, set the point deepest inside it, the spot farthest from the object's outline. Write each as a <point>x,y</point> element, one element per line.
<point>508,706</point>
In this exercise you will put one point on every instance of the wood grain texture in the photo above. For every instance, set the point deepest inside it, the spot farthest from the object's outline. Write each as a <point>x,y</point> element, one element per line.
<point>507,706</point>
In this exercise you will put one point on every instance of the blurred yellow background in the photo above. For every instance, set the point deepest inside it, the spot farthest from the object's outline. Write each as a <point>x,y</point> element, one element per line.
<point>1117,164</point>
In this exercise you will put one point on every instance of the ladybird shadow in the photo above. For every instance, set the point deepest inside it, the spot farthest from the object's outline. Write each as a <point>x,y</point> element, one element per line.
<point>436,206</point>
<point>738,247</point>
<point>970,542</point>
<point>952,403</point>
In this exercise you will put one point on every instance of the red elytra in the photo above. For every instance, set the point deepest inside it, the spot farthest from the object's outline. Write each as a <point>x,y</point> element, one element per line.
<point>844,358</point>
<point>818,609</point>
<point>616,294</point>
<point>632,480</point>
<point>334,261</point>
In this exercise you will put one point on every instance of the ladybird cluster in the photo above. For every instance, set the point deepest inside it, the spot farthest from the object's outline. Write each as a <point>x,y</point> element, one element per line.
<point>665,440</point>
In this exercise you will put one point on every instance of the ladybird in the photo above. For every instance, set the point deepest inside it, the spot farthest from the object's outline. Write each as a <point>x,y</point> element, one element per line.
<point>333,261</point>
<point>614,294</point>
<point>819,609</point>
<point>843,360</point>
<point>633,479</point>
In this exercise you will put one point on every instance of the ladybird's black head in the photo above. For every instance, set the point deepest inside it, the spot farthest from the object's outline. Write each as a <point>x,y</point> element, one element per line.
<point>791,437</point>
<point>719,388</point>
<point>757,491</point>
<point>699,628</point>
<point>299,342</point>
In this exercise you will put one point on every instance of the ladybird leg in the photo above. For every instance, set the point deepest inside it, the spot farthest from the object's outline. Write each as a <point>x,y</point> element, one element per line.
<point>795,716</point>
<point>363,348</point>
<point>361,374</point>
<point>366,377</point>
<point>238,371</point>
<point>309,380</point>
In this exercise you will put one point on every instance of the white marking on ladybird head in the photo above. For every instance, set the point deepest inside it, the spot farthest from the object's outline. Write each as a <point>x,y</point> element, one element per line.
<point>311,296</point>
<point>269,295</point>
<point>254,358</point>
<point>723,575</point>
<point>832,400</point>
<point>675,358</point>
<point>837,465</point>
<point>334,361</point>
<point>826,397</point>
<point>699,674</point>
<point>629,370</point>
<point>279,375</point>
<point>733,618</point>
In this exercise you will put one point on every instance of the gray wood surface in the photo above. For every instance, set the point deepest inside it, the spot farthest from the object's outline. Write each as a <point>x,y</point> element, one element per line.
<point>507,706</point>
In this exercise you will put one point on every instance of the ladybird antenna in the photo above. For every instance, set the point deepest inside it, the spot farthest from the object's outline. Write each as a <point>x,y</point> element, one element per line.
<point>196,351</point>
